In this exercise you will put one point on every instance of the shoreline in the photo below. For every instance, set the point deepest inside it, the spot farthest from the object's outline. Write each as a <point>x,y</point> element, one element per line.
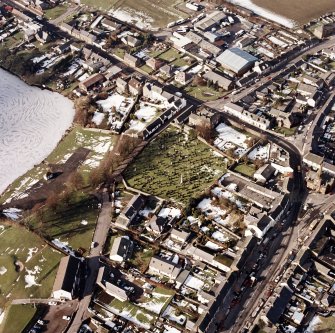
<point>66,132</point>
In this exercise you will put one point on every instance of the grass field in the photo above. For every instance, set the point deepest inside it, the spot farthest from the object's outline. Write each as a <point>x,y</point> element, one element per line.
<point>39,262</point>
<point>175,166</point>
<point>204,93</point>
<point>98,143</point>
<point>301,11</point>
<point>246,169</point>
<point>17,318</point>
<point>72,223</point>
<point>55,12</point>
<point>147,13</point>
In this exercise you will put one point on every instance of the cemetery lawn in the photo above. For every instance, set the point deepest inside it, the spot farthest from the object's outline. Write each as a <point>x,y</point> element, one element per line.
<point>175,166</point>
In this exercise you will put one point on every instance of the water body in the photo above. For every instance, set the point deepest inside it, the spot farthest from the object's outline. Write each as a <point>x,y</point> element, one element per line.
<point>32,121</point>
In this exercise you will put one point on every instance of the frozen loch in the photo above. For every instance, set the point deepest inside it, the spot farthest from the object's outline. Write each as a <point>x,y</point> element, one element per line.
<point>32,121</point>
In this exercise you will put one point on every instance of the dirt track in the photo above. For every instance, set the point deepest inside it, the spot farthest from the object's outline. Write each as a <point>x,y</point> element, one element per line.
<point>301,11</point>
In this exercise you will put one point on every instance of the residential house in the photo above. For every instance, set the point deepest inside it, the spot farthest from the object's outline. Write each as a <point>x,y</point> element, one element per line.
<point>131,41</point>
<point>131,60</point>
<point>121,250</point>
<point>165,267</point>
<point>154,63</point>
<point>121,85</point>
<point>312,160</point>
<point>205,117</point>
<point>91,81</point>
<point>135,86</point>
<point>130,211</point>
<point>182,77</point>
<point>43,36</point>
<point>110,25</point>
<point>157,224</point>
<point>218,79</point>
<point>166,70</point>
<point>264,173</point>
<point>67,279</point>
<point>179,236</point>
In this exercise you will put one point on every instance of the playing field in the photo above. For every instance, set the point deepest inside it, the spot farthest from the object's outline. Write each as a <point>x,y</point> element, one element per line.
<point>301,11</point>
<point>144,14</point>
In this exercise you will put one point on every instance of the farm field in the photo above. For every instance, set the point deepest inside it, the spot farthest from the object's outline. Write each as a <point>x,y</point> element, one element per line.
<point>35,269</point>
<point>174,166</point>
<point>300,11</point>
<point>145,14</point>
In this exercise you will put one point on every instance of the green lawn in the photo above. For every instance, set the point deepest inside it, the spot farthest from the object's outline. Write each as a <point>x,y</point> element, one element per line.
<point>141,259</point>
<point>174,166</point>
<point>285,131</point>
<point>146,69</point>
<point>17,318</point>
<point>181,62</point>
<point>133,312</point>
<point>170,55</point>
<point>55,12</point>
<point>246,169</point>
<point>119,52</point>
<point>73,223</point>
<point>204,93</point>
<point>39,264</point>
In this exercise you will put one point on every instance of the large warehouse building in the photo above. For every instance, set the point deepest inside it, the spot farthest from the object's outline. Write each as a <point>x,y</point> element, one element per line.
<point>236,60</point>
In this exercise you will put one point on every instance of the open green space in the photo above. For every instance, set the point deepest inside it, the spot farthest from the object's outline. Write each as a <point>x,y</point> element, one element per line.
<point>170,55</point>
<point>146,69</point>
<point>29,266</point>
<point>285,131</point>
<point>119,52</point>
<point>204,93</point>
<point>157,14</point>
<point>141,258</point>
<point>72,222</point>
<point>175,166</point>
<point>55,12</point>
<point>133,312</point>
<point>246,169</point>
<point>17,318</point>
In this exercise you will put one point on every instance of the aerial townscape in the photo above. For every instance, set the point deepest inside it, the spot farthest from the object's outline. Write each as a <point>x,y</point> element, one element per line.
<point>167,166</point>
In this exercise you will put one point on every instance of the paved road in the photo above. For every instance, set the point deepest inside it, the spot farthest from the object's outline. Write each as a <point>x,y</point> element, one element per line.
<point>93,262</point>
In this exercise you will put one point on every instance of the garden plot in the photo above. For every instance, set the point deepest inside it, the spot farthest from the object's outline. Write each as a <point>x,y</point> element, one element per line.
<point>74,66</point>
<point>260,153</point>
<point>229,138</point>
<point>221,193</point>
<point>174,166</point>
<point>159,300</point>
<point>26,269</point>
<point>133,313</point>
<point>118,108</point>
<point>223,217</point>
<point>142,117</point>
<point>171,314</point>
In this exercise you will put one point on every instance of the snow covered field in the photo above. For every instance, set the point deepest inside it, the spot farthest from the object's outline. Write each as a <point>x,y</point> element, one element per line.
<point>32,121</point>
<point>264,12</point>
